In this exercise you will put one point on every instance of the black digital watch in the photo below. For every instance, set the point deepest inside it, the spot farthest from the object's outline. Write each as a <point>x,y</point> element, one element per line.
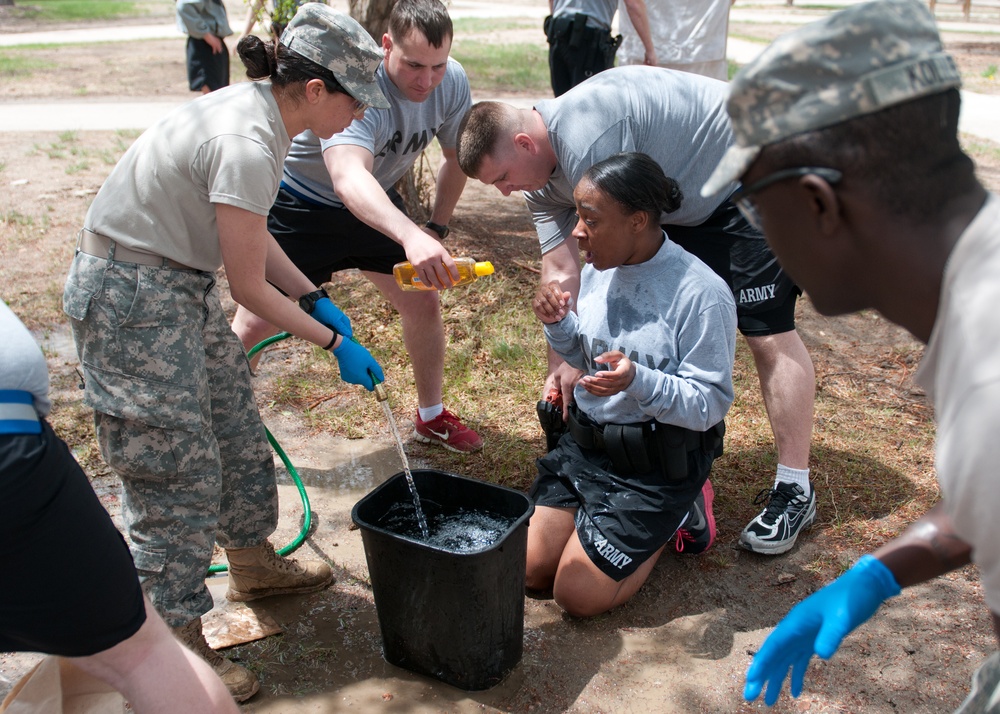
<point>442,231</point>
<point>308,301</point>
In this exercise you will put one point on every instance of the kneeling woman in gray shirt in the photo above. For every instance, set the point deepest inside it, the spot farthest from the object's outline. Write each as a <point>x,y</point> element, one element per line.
<point>655,333</point>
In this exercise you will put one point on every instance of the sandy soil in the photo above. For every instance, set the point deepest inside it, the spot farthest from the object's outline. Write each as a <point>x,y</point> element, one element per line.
<point>681,645</point>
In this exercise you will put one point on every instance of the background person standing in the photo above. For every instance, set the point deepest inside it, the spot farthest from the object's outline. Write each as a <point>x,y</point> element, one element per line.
<point>206,24</point>
<point>689,36</point>
<point>580,41</point>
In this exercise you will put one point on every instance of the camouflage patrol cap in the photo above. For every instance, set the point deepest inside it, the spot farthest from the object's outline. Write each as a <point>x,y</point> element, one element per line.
<point>337,42</point>
<point>857,61</point>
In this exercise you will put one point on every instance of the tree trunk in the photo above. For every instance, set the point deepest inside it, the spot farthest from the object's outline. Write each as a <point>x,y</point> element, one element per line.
<point>6,2</point>
<point>373,15</point>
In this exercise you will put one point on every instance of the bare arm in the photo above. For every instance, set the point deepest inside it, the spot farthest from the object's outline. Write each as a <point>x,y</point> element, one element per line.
<point>252,257</point>
<point>928,548</point>
<point>350,170</point>
<point>562,265</point>
<point>640,21</point>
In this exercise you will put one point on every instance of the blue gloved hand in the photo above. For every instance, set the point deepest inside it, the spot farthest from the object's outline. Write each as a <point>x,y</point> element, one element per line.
<point>332,316</point>
<point>818,625</point>
<point>355,363</point>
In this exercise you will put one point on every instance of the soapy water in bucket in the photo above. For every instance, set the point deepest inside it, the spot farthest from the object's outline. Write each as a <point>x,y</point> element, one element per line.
<point>461,531</point>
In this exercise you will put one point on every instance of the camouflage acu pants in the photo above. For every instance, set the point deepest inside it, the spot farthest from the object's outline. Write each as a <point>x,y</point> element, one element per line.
<point>176,419</point>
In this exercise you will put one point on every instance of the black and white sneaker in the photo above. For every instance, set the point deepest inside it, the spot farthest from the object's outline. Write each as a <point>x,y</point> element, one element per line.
<point>787,513</point>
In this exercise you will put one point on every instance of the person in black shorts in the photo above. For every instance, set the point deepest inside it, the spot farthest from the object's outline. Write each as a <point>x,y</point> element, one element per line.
<point>337,207</point>
<point>655,335</point>
<point>70,588</point>
<point>206,24</point>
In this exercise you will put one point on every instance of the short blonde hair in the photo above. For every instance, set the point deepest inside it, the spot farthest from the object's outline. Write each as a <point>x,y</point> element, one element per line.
<point>481,131</point>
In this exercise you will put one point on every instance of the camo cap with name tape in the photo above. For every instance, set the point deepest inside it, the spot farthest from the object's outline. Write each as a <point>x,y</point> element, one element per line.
<point>857,61</point>
<point>340,44</point>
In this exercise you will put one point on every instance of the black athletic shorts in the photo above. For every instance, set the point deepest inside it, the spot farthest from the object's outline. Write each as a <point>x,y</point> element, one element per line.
<point>737,252</point>
<point>620,520</point>
<point>322,240</point>
<point>69,584</point>
<point>206,69</point>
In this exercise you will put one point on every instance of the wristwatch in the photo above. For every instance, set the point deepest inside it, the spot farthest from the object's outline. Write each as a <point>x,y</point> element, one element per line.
<point>442,231</point>
<point>308,301</point>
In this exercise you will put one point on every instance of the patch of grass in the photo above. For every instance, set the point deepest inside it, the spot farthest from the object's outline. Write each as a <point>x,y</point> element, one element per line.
<point>751,38</point>
<point>16,218</point>
<point>980,149</point>
<point>732,68</point>
<point>108,156</point>
<point>19,63</point>
<point>494,68</point>
<point>70,137</point>
<point>77,166</point>
<point>466,26</point>
<point>990,72</point>
<point>74,10</point>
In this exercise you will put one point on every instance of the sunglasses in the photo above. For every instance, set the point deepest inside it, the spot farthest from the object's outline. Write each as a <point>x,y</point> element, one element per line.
<point>359,108</point>
<point>749,209</point>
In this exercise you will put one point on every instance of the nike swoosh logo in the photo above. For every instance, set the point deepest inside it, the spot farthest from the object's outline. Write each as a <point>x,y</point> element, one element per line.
<point>697,520</point>
<point>794,520</point>
<point>442,436</point>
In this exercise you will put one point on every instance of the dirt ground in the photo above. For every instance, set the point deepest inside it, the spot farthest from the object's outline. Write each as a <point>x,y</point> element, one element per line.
<point>681,645</point>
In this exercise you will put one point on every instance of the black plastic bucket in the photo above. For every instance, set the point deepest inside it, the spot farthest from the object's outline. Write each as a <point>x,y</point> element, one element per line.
<point>454,616</point>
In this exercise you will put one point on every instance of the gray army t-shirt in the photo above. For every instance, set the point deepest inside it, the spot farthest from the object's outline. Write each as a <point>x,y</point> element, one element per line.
<point>678,118</point>
<point>226,147</point>
<point>395,136</point>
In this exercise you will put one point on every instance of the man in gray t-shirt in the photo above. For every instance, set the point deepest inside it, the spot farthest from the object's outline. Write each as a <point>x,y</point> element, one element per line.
<point>337,208</point>
<point>679,119</point>
<point>580,41</point>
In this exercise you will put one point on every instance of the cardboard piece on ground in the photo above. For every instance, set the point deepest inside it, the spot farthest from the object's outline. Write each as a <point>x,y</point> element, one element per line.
<point>56,686</point>
<point>235,623</point>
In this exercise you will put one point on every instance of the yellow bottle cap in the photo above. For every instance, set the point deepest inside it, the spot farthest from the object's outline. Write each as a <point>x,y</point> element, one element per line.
<point>484,268</point>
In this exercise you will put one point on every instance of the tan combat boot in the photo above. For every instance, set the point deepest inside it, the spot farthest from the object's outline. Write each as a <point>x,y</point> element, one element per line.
<point>240,681</point>
<point>259,572</point>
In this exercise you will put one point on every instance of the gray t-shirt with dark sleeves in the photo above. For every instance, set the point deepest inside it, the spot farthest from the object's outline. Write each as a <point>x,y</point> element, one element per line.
<point>395,136</point>
<point>677,118</point>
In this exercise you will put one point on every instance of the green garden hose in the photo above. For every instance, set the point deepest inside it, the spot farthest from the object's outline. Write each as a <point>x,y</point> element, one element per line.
<point>306,510</point>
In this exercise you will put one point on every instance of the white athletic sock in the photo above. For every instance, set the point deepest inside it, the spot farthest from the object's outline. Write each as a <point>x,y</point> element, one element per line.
<point>797,476</point>
<point>428,413</point>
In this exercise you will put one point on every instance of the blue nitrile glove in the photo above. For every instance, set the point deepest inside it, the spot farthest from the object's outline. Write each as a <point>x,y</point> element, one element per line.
<point>355,362</point>
<point>332,316</point>
<point>817,625</point>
